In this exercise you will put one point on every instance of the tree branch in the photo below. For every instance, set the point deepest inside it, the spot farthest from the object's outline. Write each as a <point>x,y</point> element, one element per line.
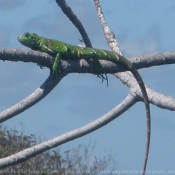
<point>32,99</point>
<point>160,100</point>
<point>109,35</point>
<point>73,18</point>
<point>64,138</point>
<point>85,66</point>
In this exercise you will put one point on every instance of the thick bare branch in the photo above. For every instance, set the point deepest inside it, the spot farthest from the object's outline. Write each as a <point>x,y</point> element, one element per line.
<point>160,100</point>
<point>32,99</point>
<point>15,55</point>
<point>85,66</point>
<point>157,59</point>
<point>100,122</point>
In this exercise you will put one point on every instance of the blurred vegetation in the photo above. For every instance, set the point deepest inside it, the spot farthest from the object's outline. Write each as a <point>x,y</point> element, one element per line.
<point>78,161</point>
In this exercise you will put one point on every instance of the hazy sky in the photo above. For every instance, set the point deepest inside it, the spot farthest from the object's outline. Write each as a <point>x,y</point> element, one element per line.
<point>141,27</point>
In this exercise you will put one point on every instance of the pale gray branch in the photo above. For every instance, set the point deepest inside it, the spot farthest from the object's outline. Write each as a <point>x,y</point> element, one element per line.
<point>57,141</point>
<point>32,99</point>
<point>156,59</point>
<point>156,98</point>
<point>15,55</point>
<point>109,35</point>
<point>85,66</point>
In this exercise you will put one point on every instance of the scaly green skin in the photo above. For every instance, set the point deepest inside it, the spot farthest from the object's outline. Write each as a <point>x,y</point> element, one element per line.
<point>64,50</point>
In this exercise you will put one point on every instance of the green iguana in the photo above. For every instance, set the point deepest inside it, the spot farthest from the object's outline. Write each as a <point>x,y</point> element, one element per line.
<point>63,50</point>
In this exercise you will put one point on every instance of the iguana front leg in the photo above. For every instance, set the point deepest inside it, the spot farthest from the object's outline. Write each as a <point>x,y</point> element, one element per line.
<point>55,67</point>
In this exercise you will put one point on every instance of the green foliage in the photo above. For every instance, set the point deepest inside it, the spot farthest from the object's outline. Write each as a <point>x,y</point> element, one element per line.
<point>71,162</point>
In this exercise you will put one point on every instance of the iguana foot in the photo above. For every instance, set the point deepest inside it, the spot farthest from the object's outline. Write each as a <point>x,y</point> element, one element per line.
<point>99,71</point>
<point>103,77</point>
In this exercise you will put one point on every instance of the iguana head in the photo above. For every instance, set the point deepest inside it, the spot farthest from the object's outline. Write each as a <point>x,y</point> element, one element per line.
<point>31,40</point>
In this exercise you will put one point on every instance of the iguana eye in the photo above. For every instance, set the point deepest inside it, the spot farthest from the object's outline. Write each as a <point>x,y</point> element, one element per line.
<point>26,34</point>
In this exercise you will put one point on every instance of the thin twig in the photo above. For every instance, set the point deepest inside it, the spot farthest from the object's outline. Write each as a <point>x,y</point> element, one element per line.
<point>73,18</point>
<point>109,35</point>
